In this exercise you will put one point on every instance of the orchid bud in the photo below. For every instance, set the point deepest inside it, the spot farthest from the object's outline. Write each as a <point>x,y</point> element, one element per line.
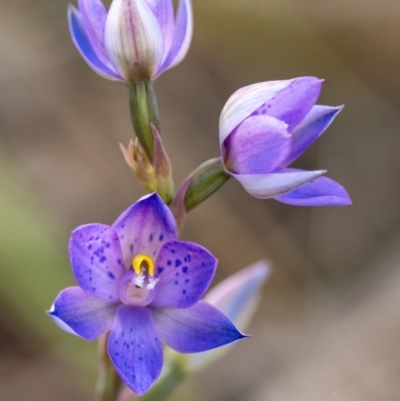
<point>264,128</point>
<point>136,40</point>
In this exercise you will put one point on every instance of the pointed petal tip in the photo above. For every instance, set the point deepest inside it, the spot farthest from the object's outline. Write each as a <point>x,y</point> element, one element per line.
<point>72,12</point>
<point>322,191</point>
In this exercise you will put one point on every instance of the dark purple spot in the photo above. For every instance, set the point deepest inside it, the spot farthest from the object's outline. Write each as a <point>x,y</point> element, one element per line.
<point>102,259</point>
<point>111,275</point>
<point>161,237</point>
<point>187,280</point>
<point>177,274</point>
<point>151,237</point>
<point>119,262</point>
<point>160,269</point>
<point>89,247</point>
<point>177,262</point>
<point>185,269</point>
<point>131,248</point>
<point>169,263</point>
<point>97,238</point>
<point>184,292</point>
<point>189,257</point>
<point>176,282</point>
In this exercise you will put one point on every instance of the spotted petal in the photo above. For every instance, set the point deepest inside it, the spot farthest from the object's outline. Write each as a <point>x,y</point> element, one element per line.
<point>198,328</point>
<point>321,192</point>
<point>82,42</point>
<point>271,185</point>
<point>182,36</point>
<point>259,145</point>
<point>238,297</point>
<point>135,349</point>
<point>310,129</point>
<point>145,227</point>
<point>185,271</point>
<point>294,102</point>
<point>96,259</point>
<point>81,314</point>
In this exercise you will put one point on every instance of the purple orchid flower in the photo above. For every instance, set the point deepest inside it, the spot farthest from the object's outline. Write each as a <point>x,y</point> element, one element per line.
<point>136,40</point>
<point>267,126</point>
<point>144,286</point>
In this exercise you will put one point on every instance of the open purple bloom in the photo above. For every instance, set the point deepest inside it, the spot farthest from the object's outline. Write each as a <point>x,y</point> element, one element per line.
<point>267,126</point>
<point>138,281</point>
<point>135,40</point>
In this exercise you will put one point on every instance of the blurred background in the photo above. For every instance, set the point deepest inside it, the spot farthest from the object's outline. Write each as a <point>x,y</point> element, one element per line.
<point>329,325</point>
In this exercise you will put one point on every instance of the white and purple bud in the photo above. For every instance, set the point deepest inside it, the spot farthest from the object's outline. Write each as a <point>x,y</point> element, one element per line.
<point>264,128</point>
<point>137,40</point>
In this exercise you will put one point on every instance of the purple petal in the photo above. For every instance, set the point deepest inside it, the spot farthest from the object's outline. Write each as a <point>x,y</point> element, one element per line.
<point>96,259</point>
<point>245,101</point>
<point>182,36</point>
<point>164,12</point>
<point>135,349</point>
<point>310,129</point>
<point>145,227</point>
<point>94,17</point>
<point>196,329</point>
<point>257,146</point>
<point>321,192</point>
<point>293,103</point>
<point>82,42</point>
<point>81,314</point>
<point>185,271</point>
<point>266,186</point>
<point>238,295</point>
<point>133,39</point>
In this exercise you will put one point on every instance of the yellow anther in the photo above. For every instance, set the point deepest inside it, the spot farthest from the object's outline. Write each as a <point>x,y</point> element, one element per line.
<point>143,262</point>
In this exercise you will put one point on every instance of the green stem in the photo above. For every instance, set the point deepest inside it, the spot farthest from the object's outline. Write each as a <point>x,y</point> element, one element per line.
<point>144,111</point>
<point>205,181</point>
<point>109,383</point>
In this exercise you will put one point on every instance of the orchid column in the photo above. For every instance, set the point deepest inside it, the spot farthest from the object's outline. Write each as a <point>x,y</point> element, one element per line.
<point>135,42</point>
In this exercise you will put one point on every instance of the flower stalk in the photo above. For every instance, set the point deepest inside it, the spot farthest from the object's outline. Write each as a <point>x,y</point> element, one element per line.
<point>204,181</point>
<point>109,383</point>
<point>144,112</point>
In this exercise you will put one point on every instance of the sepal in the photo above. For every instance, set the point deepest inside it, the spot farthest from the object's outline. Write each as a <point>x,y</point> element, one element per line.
<point>198,186</point>
<point>140,164</point>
